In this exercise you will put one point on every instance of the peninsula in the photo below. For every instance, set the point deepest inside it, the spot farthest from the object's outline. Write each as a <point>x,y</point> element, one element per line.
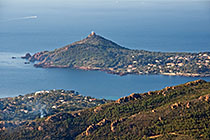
<point>97,53</point>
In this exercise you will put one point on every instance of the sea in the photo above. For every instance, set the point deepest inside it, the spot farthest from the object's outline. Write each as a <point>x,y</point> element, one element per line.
<point>153,25</point>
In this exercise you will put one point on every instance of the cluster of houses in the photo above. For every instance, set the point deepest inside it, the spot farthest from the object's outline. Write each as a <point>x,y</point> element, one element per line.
<point>31,106</point>
<point>172,65</point>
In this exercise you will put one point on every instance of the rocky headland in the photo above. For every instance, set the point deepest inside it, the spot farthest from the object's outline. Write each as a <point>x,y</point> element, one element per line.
<point>97,53</point>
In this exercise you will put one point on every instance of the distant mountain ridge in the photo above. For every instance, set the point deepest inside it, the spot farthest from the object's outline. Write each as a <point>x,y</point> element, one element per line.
<point>97,53</point>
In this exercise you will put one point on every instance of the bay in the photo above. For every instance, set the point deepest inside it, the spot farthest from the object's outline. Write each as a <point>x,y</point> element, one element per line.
<point>18,78</point>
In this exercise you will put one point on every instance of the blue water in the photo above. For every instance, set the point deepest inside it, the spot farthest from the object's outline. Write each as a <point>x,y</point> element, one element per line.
<point>156,25</point>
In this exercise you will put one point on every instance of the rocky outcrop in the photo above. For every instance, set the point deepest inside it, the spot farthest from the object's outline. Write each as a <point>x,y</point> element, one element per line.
<point>76,113</point>
<point>27,56</point>
<point>93,127</point>
<point>133,96</point>
<point>44,60</point>
<point>207,98</point>
<point>90,129</point>
<point>175,105</point>
<point>204,98</point>
<point>114,124</point>
<point>188,105</point>
<point>102,122</point>
<point>150,93</point>
<point>40,56</point>
<point>154,111</point>
<point>195,83</point>
<point>58,117</point>
<point>97,109</point>
<point>40,128</point>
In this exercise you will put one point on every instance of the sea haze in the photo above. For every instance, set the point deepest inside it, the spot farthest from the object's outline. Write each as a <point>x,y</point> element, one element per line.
<point>155,25</point>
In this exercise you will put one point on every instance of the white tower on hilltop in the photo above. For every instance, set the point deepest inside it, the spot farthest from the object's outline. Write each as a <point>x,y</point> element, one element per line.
<point>92,34</point>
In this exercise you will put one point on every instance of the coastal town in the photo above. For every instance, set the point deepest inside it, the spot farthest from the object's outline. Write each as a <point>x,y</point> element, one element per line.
<point>185,65</point>
<point>44,103</point>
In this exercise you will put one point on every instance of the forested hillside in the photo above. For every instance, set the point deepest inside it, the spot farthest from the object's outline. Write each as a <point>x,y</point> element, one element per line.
<point>178,112</point>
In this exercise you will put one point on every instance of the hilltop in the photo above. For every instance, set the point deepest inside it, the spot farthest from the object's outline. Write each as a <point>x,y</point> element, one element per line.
<point>178,112</point>
<point>98,53</point>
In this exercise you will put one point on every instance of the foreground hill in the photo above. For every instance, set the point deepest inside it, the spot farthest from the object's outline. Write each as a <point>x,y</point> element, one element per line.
<point>98,53</point>
<point>180,113</point>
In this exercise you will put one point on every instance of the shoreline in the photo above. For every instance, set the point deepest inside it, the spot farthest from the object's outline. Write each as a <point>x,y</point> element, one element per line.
<point>122,73</point>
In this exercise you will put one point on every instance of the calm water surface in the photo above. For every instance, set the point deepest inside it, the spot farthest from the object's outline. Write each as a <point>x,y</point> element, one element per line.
<point>156,25</point>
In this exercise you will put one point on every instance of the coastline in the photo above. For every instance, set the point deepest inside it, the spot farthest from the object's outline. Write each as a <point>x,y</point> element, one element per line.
<point>110,71</point>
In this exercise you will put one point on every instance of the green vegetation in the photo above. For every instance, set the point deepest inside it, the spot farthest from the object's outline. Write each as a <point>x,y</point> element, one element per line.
<point>178,113</point>
<point>98,53</point>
